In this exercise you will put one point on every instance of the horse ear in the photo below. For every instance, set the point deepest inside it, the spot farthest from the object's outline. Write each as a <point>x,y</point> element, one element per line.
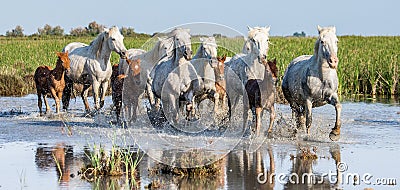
<point>187,30</point>
<point>268,28</point>
<point>334,29</point>
<point>249,28</point>
<point>106,30</point>
<point>223,58</point>
<point>137,61</point>
<point>319,29</point>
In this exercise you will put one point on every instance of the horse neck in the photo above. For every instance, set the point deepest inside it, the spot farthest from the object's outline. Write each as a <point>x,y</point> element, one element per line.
<point>178,58</point>
<point>99,48</point>
<point>268,81</point>
<point>319,64</point>
<point>199,53</point>
<point>251,58</point>
<point>152,56</point>
<point>58,72</point>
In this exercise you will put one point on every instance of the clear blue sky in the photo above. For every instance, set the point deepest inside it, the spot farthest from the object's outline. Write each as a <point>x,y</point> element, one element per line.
<point>351,17</point>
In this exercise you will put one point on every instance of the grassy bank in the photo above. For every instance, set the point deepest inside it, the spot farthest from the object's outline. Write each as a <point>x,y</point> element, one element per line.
<point>368,65</point>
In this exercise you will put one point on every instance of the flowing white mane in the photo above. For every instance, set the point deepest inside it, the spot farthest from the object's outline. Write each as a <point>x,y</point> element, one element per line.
<point>95,46</point>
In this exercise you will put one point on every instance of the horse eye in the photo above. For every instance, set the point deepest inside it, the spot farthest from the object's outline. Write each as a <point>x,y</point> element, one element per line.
<point>113,39</point>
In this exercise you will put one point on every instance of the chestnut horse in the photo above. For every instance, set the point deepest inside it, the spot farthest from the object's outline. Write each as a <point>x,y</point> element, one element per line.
<point>261,95</point>
<point>220,84</point>
<point>51,81</point>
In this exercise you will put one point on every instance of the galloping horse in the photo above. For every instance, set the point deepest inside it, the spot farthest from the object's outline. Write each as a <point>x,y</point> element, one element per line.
<point>311,81</point>
<point>52,82</point>
<point>172,78</point>
<point>90,66</point>
<point>247,66</point>
<point>204,62</point>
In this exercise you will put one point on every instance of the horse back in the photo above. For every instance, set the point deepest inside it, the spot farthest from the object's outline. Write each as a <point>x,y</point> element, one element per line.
<point>293,79</point>
<point>42,73</point>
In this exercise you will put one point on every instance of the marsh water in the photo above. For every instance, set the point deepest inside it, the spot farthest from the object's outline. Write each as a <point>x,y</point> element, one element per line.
<point>368,149</point>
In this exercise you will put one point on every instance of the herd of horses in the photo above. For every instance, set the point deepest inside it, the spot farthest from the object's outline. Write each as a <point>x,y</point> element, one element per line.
<point>175,81</point>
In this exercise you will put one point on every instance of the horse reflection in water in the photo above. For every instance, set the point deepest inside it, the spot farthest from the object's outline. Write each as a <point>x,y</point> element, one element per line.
<point>59,157</point>
<point>308,179</point>
<point>250,168</point>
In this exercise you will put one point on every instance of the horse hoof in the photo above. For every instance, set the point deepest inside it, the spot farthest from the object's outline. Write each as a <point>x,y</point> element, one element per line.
<point>333,136</point>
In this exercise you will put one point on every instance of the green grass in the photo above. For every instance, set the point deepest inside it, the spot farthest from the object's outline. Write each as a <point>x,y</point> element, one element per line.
<point>367,65</point>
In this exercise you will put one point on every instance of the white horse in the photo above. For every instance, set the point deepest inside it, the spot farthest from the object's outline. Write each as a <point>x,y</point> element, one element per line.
<point>204,62</point>
<point>247,66</point>
<point>90,66</point>
<point>161,50</point>
<point>311,81</point>
<point>173,78</point>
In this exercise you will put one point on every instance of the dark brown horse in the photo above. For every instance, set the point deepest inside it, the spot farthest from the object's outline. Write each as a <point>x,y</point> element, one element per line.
<point>261,95</point>
<point>51,81</point>
<point>116,86</point>
<point>131,90</point>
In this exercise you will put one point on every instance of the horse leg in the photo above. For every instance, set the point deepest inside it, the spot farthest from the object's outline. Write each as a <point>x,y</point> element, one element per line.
<point>299,116</point>
<point>174,109</point>
<point>271,118</point>
<point>149,92</point>
<point>245,116</point>
<point>104,87</point>
<point>39,102</point>
<point>84,96</point>
<point>46,103</point>
<point>335,133</point>
<point>95,89</point>
<point>135,104</point>
<point>56,99</point>
<point>259,111</point>
<point>66,96</point>
<point>308,110</point>
<point>118,108</point>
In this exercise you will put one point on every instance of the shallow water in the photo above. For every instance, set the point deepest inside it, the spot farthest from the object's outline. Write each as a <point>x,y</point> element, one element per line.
<point>368,145</point>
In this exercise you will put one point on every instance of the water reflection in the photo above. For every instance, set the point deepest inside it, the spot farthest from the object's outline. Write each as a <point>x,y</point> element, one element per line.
<point>303,176</point>
<point>240,169</point>
<point>59,157</point>
<point>250,170</point>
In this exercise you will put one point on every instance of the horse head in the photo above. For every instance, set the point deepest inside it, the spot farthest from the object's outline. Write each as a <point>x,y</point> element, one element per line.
<point>208,47</point>
<point>134,66</point>
<point>115,41</point>
<point>326,46</point>
<point>64,60</point>
<point>220,68</point>
<point>270,66</point>
<point>165,47</point>
<point>182,42</point>
<point>258,42</point>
